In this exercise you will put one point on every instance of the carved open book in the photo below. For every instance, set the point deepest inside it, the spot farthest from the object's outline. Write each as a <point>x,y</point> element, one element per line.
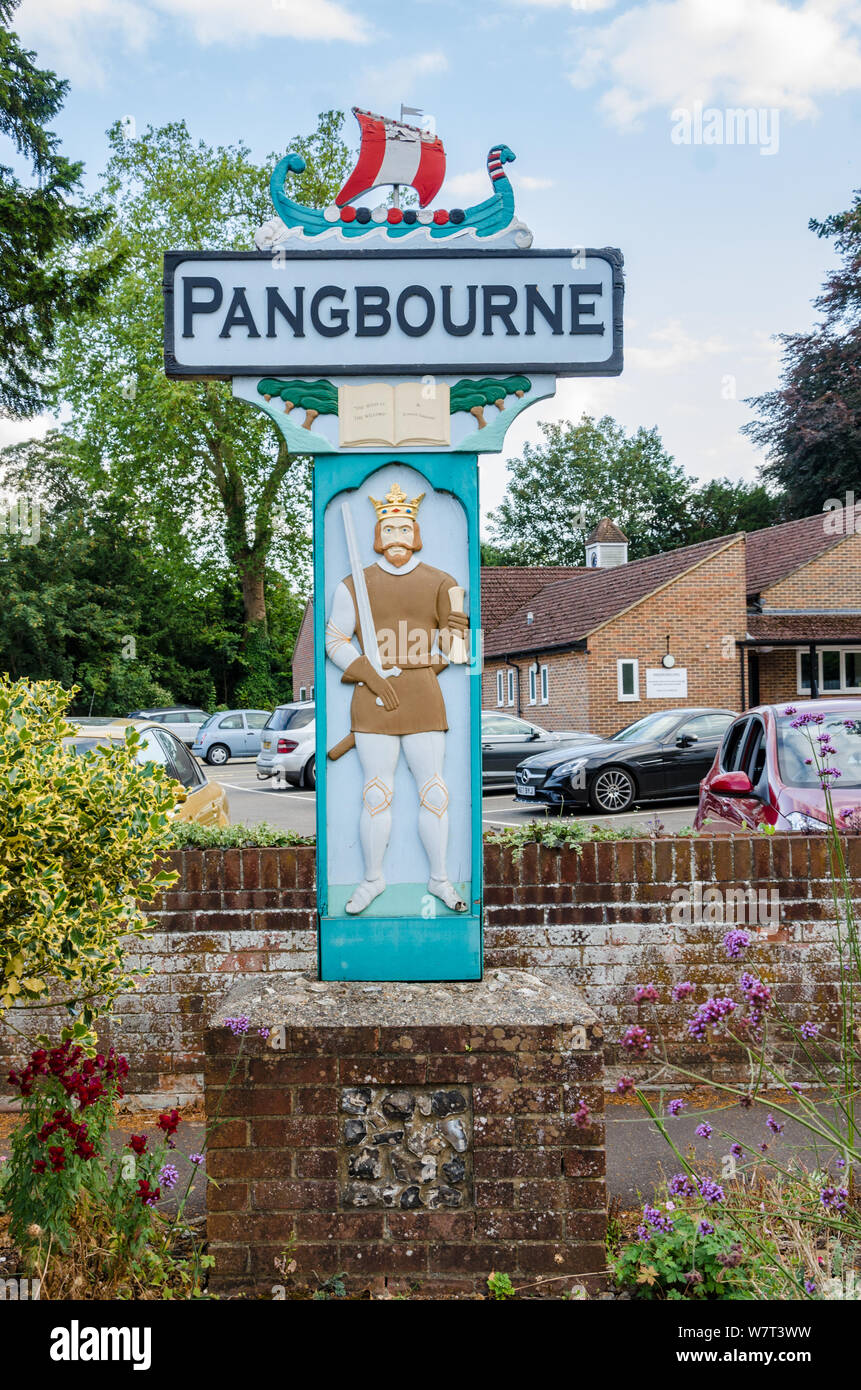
<point>412,412</point>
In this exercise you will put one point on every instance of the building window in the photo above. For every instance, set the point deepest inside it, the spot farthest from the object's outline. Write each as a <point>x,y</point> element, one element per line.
<point>510,686</point>
<point>303,694</point>
<point>837,669</point>
<point>311,696</point>
<point>500,687</point>
<point>545,685</point>
<point>533,684</point>
<point>628,679</point>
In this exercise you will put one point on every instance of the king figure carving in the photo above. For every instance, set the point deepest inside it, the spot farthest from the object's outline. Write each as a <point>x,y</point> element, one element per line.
<point>413,629</point>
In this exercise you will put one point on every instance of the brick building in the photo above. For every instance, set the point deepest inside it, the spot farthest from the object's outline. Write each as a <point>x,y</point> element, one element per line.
<point>770,615</point>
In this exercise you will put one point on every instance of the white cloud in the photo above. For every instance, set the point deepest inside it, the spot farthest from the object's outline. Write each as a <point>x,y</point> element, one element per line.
<point>75,36</point>
<point>223,21</point>
<point>400,80</point>
<point>472,184</point>
<point>671,347</point>
<point>582,5</point>
<point>533,184</point>
<point>770,53</point>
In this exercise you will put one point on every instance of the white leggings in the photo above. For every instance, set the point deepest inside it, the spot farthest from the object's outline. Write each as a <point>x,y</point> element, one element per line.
<point>425,753</point>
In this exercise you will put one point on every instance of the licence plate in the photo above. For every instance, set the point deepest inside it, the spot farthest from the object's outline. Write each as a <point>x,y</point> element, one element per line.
<point>525,790</point>
<point>267,743</point>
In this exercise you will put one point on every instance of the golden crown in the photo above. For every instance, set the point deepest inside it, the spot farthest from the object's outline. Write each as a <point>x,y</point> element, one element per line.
<point>397,504</point>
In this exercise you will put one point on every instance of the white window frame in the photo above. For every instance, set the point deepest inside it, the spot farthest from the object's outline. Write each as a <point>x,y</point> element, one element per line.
<point>303,694</point>
<point>510,671</point>
<point>545,685</point>
<point>533,684</point>
<point>500,689</point>
<point>844,688</point>
<point>627,661</point>
<point>311,694</point>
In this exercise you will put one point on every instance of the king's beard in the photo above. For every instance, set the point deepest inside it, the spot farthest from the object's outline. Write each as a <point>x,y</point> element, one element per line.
<point>398,555</point>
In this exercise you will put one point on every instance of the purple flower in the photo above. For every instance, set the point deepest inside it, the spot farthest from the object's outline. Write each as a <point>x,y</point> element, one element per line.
<point>834,1198</point>
<point>680,1185</point>
<point>706,1228</point>
<point>643,1233</point>
<point>704,1131</point>
<point>645,994</point>
<point>711,1191</point>
<point>196,1159</point>
<point>840,1162</point>
<point>169,1176</point>
<point>790,709</point>
<point>636,1040</point>
<point>682,989</point>
<point>809,1030</point>
<point>237,1026</point>
<point>655,1219</point>
<point>676,1105</point>
<point>773,1124</point>
<point>624,1086</point>
<point>757,996</point>
<point>810,1286</point>
<point>763,1148</point>
<point>804,719</point>
<point>263,1032</point>
<point>736,1150</point>
<point>709,1014</point>
<point>736,943</point>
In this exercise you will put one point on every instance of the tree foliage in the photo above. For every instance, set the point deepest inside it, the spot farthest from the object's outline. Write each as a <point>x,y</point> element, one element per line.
<point>43,277</point>
<point>80,837</point>
<point>810,427</point>
<point>206,467</point>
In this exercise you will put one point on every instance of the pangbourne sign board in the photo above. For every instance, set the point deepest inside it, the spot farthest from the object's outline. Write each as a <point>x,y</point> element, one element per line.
<point>371,312</point>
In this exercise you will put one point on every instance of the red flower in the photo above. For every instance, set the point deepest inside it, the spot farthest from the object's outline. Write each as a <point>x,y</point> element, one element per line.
<point>85,1149</point>
<point>57,1155</point>
<point>39,1166</point>
<point>169,1122</point>
<point>138,1143</point>
<point>148,1195</point>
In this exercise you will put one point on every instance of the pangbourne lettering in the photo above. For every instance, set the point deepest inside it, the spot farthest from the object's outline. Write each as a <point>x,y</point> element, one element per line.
<point>369,311</point>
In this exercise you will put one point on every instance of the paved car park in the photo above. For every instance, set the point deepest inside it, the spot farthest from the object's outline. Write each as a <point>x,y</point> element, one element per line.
<point>291,808</point>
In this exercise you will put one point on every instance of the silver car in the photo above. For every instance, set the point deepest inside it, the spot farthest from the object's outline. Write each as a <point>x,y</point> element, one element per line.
<point>287,753</point>
<point>235,733</point>
<point>182,720</point>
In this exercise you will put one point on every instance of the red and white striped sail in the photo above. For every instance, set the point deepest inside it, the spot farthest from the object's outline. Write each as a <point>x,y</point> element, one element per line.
<point>392,152</point>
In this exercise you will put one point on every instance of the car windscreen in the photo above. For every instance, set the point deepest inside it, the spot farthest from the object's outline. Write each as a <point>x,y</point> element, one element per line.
<point>290,718</point>
<point>651,726</point>
<point>795,755</point>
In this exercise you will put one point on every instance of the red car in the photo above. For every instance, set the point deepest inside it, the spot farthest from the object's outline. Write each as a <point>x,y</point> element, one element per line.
<point>764,773</point>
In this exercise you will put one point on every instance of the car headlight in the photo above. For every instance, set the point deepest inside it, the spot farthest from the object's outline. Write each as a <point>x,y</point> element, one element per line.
<point>797,820</point>
<point>567,769</point>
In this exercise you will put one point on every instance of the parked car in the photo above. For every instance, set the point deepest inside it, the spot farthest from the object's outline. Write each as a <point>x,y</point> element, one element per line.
<point>506,740</point>
<point>664,754</point>
<point>764,773</point>
<point>206,802</point>
<point>182,720</point>
<point>287,746</point>
<point>236,733</point>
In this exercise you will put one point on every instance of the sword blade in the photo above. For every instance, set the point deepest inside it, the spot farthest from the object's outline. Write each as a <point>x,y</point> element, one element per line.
<point>363,603</point>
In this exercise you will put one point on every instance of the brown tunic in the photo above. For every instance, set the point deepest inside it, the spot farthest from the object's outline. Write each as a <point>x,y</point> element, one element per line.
<point>409,611</point>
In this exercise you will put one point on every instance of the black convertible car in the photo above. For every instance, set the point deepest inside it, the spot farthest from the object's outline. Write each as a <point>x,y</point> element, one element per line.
<point>664,754</point>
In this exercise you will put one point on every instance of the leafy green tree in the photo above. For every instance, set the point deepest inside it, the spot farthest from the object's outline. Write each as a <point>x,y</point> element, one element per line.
<point>559,489</point>
<point>42,280</point>
<point>810,427</point>
<point>206,467</point>
<point>720,507</point>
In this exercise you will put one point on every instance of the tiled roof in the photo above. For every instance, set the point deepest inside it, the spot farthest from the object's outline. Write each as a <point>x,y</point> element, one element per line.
<point>777,551</point>
<point>606,530</point>
<point>568,609</point>
<point>506,588</point>
<point>815,627</point>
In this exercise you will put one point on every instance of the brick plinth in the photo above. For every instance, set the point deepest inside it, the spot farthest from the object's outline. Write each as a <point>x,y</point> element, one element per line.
<point>525,1194</point>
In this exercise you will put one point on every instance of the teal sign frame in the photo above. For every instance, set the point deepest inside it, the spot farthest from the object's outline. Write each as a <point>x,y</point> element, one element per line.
<point>448,945</point>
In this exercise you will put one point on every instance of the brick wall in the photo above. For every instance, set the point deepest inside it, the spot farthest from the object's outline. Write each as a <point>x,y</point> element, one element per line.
<point>833,581</point>
<point>568,704</point>
<point>605,915</point>
<point>536,1203</point>
<point>778,676</point>
<point>696,612</point>
<point>303,654</point>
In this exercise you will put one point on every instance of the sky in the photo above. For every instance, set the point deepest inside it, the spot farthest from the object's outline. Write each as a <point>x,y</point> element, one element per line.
<point>617,115</point>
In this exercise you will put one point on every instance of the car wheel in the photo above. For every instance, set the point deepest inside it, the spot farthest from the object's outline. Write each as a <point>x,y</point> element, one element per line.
<point>217,755</point>
<point>309,778</point>
<point>612,790</point>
